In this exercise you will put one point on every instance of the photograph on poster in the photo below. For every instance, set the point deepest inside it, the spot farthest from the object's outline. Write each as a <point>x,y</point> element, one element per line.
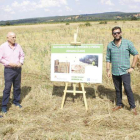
<point>78,68</point>
<point>90,59</point>
<point>61,67</point>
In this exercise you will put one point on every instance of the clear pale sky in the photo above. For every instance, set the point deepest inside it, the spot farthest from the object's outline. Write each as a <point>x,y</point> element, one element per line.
<point>20,9</point>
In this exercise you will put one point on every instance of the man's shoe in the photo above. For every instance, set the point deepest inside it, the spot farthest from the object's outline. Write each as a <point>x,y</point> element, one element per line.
<point>4,110</point>
<point>18,105</point>
<point>134,111</point>
<point>117,108</point>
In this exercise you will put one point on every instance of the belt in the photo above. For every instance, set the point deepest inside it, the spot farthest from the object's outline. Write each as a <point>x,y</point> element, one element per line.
<point>12,68</point>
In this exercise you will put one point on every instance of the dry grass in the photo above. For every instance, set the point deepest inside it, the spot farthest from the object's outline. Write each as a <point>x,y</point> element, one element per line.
<point>41,117</point>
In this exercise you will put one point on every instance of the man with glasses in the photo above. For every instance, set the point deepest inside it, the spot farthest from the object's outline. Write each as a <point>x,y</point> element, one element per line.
<point>118,55</point>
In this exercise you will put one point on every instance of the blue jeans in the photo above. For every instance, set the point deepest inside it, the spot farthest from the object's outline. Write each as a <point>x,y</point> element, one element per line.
<point>11,76</point>
<point>126,80</point>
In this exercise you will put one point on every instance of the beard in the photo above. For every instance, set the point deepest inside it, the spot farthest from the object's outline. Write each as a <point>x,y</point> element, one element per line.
<point>118,39</point>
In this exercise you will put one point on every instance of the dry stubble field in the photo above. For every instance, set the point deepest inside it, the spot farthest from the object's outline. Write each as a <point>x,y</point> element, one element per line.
<point>41,117</point>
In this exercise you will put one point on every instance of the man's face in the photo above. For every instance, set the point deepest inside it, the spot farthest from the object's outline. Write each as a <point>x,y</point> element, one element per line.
<point>11,39</point>
<point>117,34</point>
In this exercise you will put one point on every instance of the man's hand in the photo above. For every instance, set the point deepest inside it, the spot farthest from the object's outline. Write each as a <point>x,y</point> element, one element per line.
<point>19,65</point>
<point>130,70</point>
<point>108,73</point>
<point>13,65</point>
<point>108,69</point>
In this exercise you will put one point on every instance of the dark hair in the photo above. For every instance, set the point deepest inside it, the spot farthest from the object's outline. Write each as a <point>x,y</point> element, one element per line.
<point>115,28</point>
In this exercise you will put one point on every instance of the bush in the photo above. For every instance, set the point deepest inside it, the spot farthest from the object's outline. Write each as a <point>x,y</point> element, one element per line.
<point>81,25</point>
<point>134,18</point>
<point>87,24</point>
<point>8,23</point>
<point>67,23</point>
<point>103,22</point>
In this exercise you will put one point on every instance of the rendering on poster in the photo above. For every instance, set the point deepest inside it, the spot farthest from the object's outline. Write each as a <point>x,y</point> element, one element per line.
<point>77,63</point>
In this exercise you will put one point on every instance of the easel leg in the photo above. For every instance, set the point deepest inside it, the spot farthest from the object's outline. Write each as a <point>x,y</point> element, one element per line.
<point>84,96</point>
<point>74,89</point>
<point>80,86</point>
<point>64,96</point>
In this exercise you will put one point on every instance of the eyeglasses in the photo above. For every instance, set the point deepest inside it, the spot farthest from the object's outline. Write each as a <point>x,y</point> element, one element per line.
<point>114,33</point>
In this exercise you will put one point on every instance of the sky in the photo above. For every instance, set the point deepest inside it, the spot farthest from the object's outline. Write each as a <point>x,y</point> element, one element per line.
<point>22,9</point>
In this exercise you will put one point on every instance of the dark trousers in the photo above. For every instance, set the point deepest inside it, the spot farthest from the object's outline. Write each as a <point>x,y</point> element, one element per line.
<point>126,79</point>
<point>11,76</point>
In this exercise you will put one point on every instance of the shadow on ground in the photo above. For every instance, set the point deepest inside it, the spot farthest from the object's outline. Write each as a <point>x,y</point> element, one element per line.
<point>106,92</point>
<point>101,91</point>
<point>24,92</point>
<point>110,94</point>
<point>137,97</point>
<point>9,104</point>
<point>59,91</point>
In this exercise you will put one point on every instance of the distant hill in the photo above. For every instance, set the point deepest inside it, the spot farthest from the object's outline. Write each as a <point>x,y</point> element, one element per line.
<point>76,18</point>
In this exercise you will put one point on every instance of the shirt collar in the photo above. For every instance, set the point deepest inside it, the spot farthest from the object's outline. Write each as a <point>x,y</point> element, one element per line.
<point>114,43</point>
<point>9,45</point>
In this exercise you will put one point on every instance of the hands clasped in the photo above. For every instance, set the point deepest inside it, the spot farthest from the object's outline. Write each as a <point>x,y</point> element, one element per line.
<point>13,65</point>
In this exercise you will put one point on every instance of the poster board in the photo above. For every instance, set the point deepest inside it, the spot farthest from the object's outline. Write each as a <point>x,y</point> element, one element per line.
<point>77,63</point>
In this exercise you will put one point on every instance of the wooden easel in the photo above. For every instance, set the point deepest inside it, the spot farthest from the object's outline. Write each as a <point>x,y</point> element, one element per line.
<point>81,85</point>
<point>74,91</point>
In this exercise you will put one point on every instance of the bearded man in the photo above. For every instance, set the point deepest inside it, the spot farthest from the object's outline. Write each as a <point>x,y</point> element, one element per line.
<point>118,55</point>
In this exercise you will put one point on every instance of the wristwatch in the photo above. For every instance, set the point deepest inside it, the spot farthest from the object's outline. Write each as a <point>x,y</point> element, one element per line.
<point>132,67</point>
